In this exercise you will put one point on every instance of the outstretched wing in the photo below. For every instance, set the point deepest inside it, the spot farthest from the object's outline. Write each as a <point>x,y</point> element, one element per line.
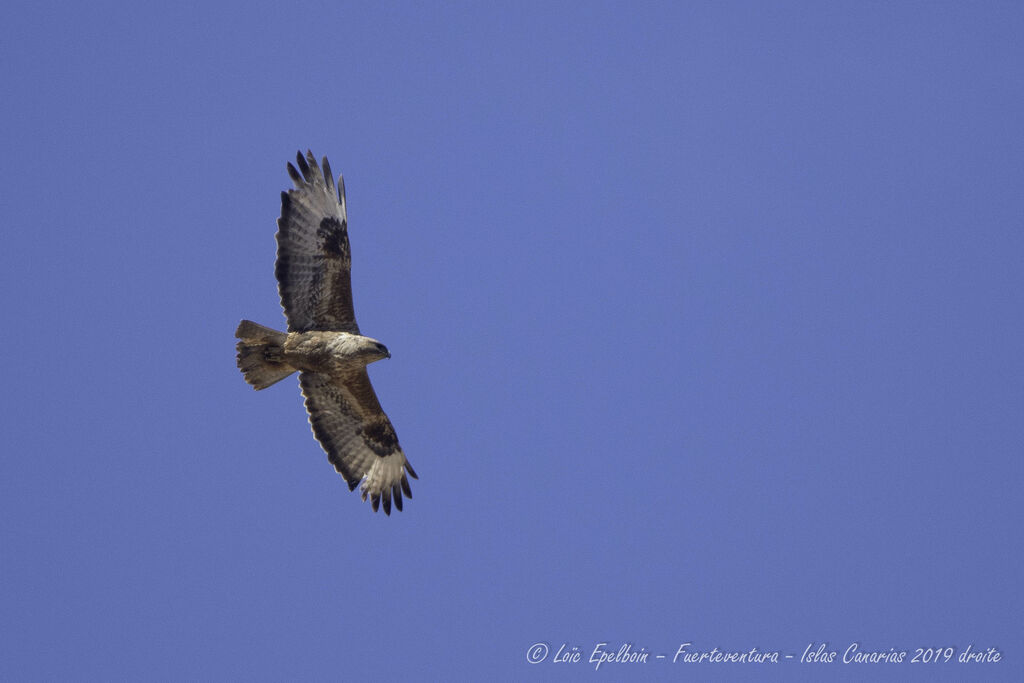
<point>360,442</point>
<point>314,261</point>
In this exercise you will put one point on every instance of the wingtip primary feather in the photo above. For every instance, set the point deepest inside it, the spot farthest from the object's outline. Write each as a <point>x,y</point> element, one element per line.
<point>314,169</point>
<point>328,176</point>
<point>303,166</point>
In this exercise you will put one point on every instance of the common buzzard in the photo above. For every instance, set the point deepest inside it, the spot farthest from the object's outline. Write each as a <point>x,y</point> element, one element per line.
<point>323,342</point>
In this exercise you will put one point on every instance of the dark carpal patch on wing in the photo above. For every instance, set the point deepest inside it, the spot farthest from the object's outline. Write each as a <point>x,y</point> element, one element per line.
<point>380,436</point>
<point>334,239</point>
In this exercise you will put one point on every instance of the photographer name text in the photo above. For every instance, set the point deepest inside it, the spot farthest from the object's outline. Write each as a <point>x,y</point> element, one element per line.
<point>603,653</point>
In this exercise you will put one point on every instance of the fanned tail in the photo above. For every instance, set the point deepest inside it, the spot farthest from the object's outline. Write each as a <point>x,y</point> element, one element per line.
<point>261,354</point>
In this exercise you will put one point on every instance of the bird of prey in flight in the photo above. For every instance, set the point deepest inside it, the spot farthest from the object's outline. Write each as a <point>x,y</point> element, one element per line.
<point>323,342</point>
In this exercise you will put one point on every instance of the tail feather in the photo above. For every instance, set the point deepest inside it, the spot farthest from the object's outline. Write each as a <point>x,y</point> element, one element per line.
<point>261,354</point>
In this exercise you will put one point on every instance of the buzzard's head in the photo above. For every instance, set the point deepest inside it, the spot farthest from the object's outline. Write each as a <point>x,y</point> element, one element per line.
<point>372,350</point>
<point>349,349</point>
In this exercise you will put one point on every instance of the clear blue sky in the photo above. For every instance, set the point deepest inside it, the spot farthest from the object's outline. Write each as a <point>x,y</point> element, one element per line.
<point>706,323</point>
